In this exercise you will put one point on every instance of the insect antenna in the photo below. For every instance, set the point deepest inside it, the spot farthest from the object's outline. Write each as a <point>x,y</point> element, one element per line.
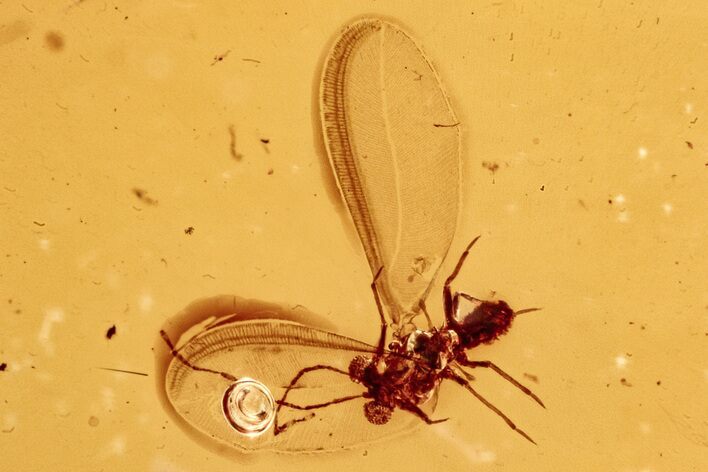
<point>184,361</point>
<point>452,375</point>
<point>526,310</point>
<point>504,375</point>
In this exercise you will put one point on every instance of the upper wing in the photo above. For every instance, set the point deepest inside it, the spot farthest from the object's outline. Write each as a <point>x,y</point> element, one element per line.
<point>394,144</point>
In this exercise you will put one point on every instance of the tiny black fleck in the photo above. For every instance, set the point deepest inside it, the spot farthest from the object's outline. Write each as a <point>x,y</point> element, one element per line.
<point>111,332</point>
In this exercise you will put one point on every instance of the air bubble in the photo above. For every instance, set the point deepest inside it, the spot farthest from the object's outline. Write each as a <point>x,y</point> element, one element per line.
<point>249,407</point>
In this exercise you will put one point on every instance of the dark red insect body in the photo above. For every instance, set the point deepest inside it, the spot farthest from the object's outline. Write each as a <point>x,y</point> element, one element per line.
<point>406,375</point>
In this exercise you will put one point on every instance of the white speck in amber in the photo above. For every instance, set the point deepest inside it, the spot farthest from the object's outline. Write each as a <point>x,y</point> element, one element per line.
<point>621,361</point>
<point>145,303</point>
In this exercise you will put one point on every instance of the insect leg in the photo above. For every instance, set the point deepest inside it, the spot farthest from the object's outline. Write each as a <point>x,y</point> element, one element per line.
<point>281,428</point>
<point>447,293</point>
<point>412,408</point>
<point>384,324</point>
<point>277,429</point>
<point>423,308</point>
<point>184,361</point>
<point>288,424</point>
<point>321,405</point>
<point>450,374</point>
<point>490,365</point>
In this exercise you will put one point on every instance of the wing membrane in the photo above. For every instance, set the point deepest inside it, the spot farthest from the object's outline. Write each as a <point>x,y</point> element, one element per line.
<point>272,351</point>
<point>394,145</point>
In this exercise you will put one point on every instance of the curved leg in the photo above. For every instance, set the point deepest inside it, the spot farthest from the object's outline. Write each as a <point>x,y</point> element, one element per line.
<point>384,325</point>
<point>424,309</point>
<point>280,428</point>
<point>321,405</point>
<point>465,384</point>
<point>491,365</point>
<point>184,361</point>
<point>412,408</point>
<point>447,294</point>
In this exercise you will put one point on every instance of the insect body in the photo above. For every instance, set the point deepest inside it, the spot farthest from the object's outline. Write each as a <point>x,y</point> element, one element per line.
<point>407,374</point>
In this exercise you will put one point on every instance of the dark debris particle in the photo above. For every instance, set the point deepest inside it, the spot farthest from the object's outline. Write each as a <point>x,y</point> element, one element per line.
<point>543,187</point>
<point>54,41</point>
<point>531,377</point>
<point>111,332</point>
<point>270,171</point>
<point>189,230</point>
<point>143,196</point>
<point>658,382</point>
<point>3,366</point>
<point>442,125</point>
<point>625,382</point>
<point>220,57</point>
<point>232,144</point>
<point>490,166</point>
<point>264,142</point>
<point>38,223</point>
<point>122,371</point>
<point>689,144</point>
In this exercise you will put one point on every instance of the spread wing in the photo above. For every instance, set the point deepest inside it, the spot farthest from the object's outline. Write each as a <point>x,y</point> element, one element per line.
<point>260,341</point>
<point>394,144</point>
<point>273,352</point>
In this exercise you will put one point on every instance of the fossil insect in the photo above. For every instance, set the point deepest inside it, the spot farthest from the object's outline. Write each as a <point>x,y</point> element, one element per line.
<point>407,373</point>
<point>394,145</point>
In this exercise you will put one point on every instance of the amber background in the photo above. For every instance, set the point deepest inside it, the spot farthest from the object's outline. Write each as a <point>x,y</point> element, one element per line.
<point>597,213</point>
